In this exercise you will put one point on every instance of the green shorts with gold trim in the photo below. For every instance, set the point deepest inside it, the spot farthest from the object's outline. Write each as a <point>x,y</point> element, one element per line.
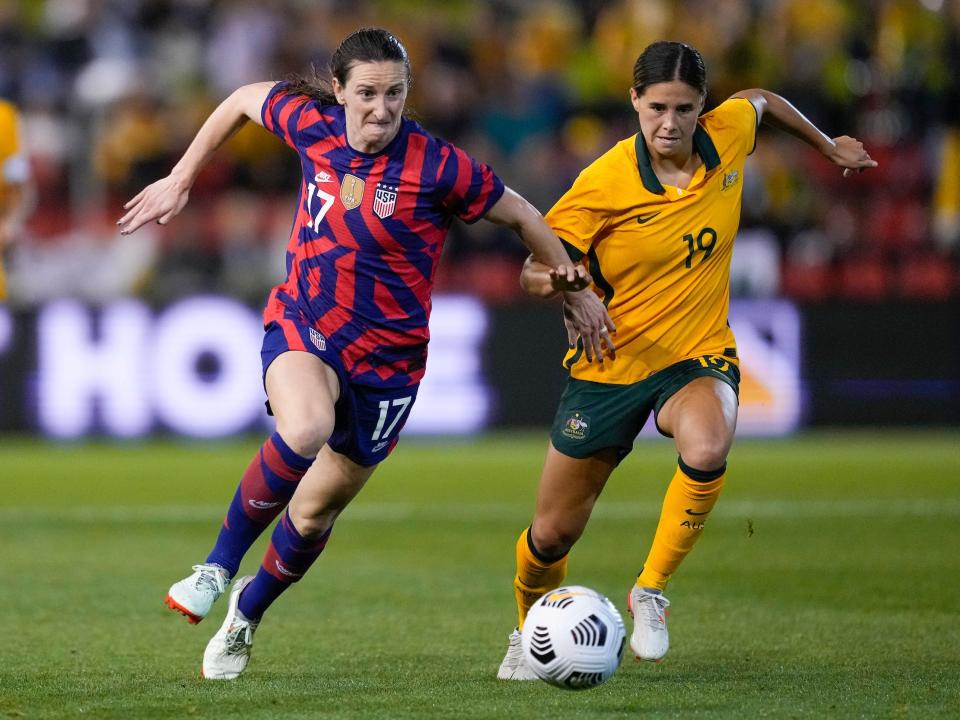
<point>593,416</point>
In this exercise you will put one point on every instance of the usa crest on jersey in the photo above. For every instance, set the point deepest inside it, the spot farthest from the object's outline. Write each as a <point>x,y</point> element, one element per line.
<point>385,200</point>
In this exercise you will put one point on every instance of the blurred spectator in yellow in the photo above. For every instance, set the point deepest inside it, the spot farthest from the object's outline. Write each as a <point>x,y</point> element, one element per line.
<point>14,175</point>
<point>946,198</point>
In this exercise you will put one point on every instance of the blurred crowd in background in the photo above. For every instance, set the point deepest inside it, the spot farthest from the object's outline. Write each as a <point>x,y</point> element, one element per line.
<point>112,91</point>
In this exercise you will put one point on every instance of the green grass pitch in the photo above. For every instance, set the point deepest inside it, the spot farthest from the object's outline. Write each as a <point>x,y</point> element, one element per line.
<point>827,584</point>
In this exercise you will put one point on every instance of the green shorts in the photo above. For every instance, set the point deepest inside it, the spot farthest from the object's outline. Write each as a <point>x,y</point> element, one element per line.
<point>593,416</point>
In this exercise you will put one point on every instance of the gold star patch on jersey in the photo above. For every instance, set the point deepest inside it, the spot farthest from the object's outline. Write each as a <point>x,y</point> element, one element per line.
<point>351,191</point>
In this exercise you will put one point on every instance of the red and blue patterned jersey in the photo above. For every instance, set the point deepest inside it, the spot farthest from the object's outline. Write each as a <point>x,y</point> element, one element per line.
<point>367,235</point>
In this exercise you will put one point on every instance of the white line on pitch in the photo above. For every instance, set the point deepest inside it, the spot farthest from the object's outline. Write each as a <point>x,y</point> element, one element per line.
<point>615,510</point>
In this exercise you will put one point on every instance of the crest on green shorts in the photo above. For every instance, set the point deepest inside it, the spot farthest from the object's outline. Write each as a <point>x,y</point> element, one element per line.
<point>577,426</point>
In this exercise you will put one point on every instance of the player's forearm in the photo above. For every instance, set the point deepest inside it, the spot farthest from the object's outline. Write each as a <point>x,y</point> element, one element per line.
<point>229,116</point>
<point>844,151</point>
<point>524,219</point>
<point>544,244</point>
<point>215,131</point>
<point>781,114</point>
<point>539,239</point>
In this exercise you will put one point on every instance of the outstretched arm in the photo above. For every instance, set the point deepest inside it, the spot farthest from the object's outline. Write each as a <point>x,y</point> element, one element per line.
<point>587,313</point>
<point>166,197</point>
<point>847,152</point>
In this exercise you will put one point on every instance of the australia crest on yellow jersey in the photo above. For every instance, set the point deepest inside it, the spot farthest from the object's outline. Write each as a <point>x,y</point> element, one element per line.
<point>729,180</point>
<point>351,191</point>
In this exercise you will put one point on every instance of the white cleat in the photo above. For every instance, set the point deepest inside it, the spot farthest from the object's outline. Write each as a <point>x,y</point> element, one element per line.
<point>650,639</point>
<point>514,665</point>
<point>228,652</point>
<point>195,595</point>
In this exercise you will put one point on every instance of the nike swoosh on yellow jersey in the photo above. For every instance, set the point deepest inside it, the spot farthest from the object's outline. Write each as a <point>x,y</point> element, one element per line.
<point>643,218</point>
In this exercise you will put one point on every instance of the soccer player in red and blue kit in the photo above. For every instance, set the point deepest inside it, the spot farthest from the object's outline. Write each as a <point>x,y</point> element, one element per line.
<point>346,334</point>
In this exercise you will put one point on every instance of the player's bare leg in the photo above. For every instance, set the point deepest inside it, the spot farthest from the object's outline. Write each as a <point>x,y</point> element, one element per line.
<point>568,490</point>
<point>702,418</point>
<point>303,391</point>
<point>327,488</point>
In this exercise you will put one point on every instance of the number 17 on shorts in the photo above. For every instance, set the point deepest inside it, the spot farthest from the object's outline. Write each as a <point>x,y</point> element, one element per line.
<point>396,407</point>
<point>369,423</point>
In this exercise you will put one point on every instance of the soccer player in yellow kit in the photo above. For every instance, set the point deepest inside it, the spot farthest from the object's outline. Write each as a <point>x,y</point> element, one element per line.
<point>654,221</point>
<point>13,177</point>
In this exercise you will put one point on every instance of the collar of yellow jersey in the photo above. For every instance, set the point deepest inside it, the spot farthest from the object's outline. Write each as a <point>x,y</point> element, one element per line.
<point>702,144</point>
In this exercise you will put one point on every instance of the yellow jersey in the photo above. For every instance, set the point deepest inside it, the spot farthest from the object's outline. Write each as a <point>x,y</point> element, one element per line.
<point>660,255</point>
<point>13,167</point>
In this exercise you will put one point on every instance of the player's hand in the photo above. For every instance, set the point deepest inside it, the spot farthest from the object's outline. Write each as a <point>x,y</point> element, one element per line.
<point>545,281</point>
<point>569,278</point>
<point>587,317</point>
<point>159,201</point>
<point>849,153</point>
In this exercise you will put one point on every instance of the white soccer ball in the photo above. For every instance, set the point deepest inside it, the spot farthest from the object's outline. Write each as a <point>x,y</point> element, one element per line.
<point>573,638</point>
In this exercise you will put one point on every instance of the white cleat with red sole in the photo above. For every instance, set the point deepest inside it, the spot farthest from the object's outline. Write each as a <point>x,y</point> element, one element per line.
<point>195,595</point>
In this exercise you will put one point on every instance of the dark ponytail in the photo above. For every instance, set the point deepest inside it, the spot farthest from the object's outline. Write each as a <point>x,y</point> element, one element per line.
<point>364,45</point>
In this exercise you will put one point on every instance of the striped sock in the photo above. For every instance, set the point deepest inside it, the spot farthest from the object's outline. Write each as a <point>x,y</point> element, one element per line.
<point>289,556</point>
<point>264,491</point>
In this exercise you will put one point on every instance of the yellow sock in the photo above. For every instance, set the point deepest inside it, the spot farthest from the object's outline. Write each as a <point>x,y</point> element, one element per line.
<point>534,575</point>
<point>686,506</point>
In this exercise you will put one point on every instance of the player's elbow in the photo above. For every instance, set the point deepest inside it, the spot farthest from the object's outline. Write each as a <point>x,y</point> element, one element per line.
<point>248,100</point>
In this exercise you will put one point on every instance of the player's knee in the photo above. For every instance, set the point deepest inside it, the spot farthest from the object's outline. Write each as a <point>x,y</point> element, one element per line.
<point>706,455</point>
<point>306,437</point>
<point>309,524</point>
<point>553,541</point>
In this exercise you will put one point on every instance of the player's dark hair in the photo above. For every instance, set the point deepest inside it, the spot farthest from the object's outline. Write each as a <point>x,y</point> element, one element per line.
<point>666,61</point>
<point>363,45</point>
